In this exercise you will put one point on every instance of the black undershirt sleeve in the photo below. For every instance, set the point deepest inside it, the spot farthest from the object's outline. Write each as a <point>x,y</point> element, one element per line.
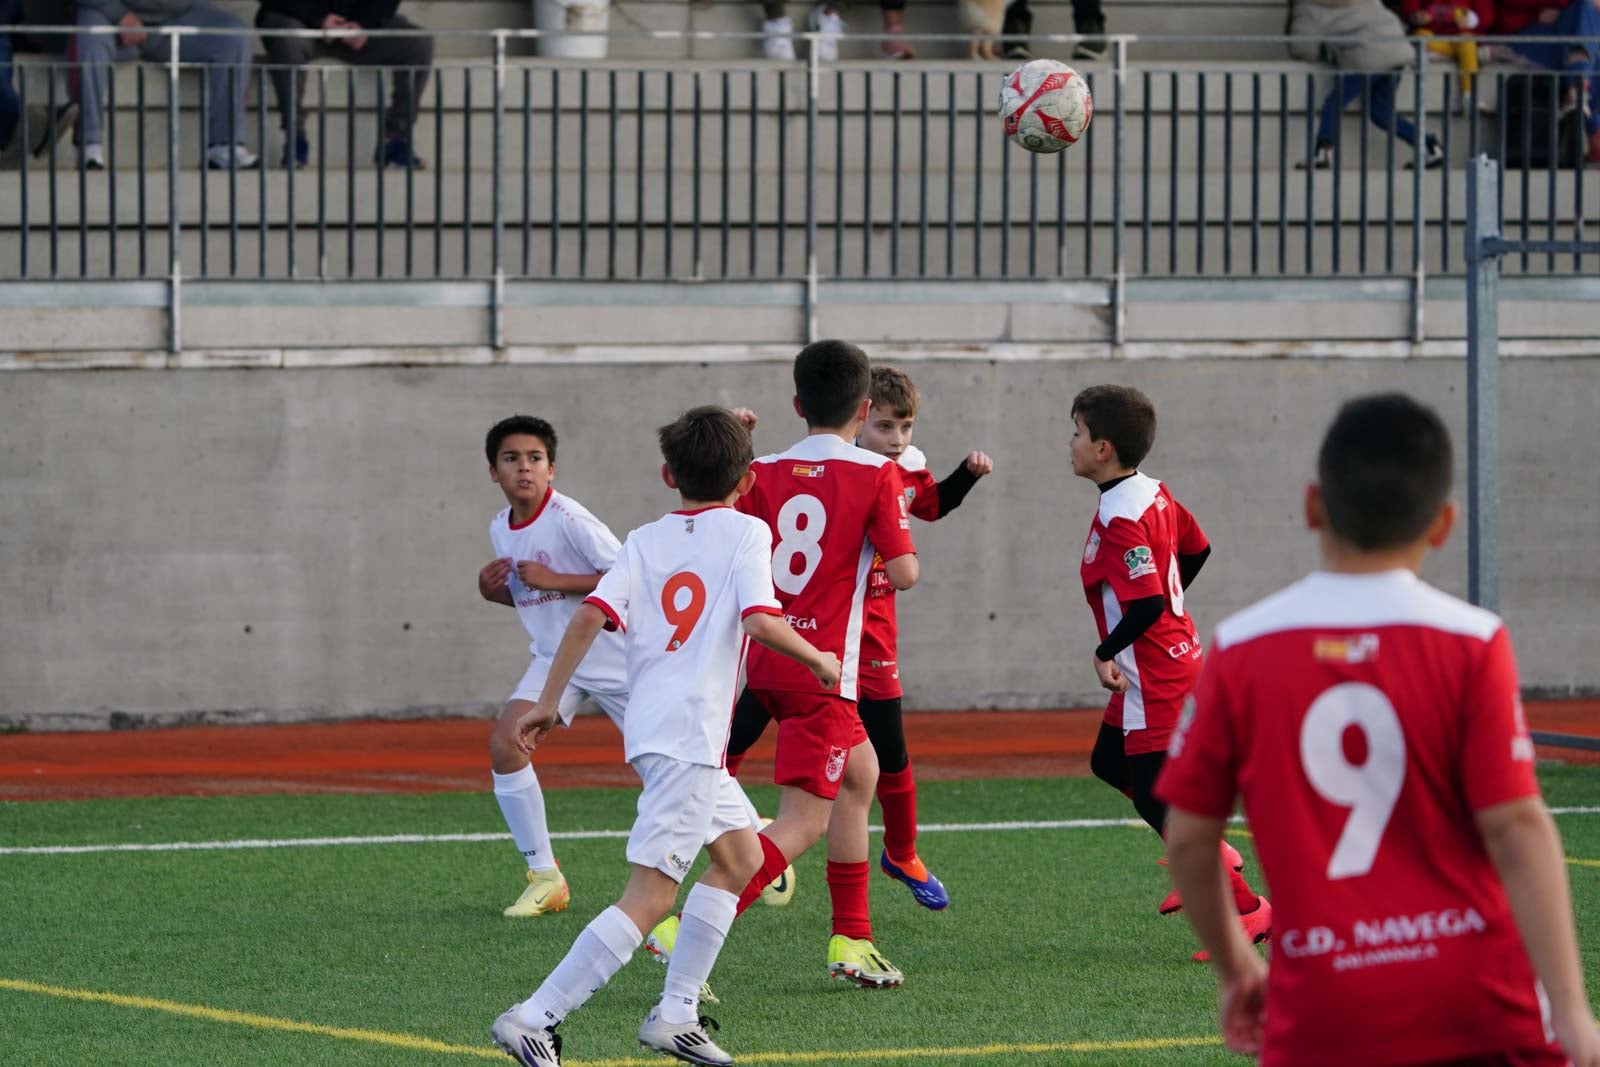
<point>1138,616</point>
<point>1189,566</point>
<point>954,489</point>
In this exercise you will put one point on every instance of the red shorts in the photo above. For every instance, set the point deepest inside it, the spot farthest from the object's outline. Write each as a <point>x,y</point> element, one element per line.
<point>1160,721</point>
<point>816,732</point>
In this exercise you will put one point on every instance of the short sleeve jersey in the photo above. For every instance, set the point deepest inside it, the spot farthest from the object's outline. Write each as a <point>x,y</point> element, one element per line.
<point>1364,719</point>
<point>831,508</point>
<point>680,591</point>
<point>1132,553</point>
<point>565,537</point>
<point>880,635</point>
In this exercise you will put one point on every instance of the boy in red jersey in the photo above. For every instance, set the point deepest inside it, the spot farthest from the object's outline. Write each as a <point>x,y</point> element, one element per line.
<point>1143,550</point>
<point>1372,726</point>
<point>833,508</point>
<point>887,431</point>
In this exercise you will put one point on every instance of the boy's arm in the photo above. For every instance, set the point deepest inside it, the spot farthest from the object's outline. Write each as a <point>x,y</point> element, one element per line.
<point>1523,844</point>
<point>492,582</point>
<point>538,576</point>
<point>889,528</point>
<point>586,624</point>
<point>1189,565</point>
<point>773,632</point>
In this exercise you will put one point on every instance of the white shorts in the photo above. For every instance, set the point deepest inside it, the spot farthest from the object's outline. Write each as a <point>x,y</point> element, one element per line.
<point>532,685</point>
<point>682,808</point>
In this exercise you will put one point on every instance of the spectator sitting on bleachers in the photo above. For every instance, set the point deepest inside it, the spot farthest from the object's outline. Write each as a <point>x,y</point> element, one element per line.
<point>10,105</point>
<point>1534,19</point>
<point>227,57</point>
<point>1088,19</point>
<point>1379,44</point>
<point>825,19</point>
<point>411,58</point>
<point>1451,18</point>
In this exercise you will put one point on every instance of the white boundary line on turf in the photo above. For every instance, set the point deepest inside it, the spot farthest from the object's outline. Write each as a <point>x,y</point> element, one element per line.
<point>570,835</point>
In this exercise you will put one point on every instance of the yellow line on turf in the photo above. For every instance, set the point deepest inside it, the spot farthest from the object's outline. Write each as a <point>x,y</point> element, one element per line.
<point>427,1044</point>
<point>260,1022</point>
<point>1583,863</point>
<point>1238,831</point>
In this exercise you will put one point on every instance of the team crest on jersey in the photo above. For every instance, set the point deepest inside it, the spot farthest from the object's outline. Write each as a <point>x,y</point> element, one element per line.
<point>1139,562</point>
<point>542,558</point>
<point>1161,502</point>
<point>807,470</point>
<point>1356,648</point>
<point>1092,549</point>
<point>834,769</point>
<point>911,494</point>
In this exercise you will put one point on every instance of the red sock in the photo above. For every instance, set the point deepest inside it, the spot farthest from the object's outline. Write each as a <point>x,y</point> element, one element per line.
<point>847,885</point>
<point>733,764</point>
<point>772,865</point>
<point>897,794</point>
<point>1244,898</point>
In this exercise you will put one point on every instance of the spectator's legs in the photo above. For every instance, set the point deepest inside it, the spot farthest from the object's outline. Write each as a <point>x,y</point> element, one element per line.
<point>96,52</point>
<point>287,57</point>
<point>1089,19</point>
<point>1581,18</point>
<point>772,9</point>
<point>1346,89</point>
<point>1017,28</point>
<point>411,59</point>
<point>221,54</point>
<point>894,22</point>
<point>10,106</point>
<point>1382,111</point>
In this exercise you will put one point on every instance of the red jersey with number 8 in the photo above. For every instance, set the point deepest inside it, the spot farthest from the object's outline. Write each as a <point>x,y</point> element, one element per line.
<point>1132,553</point>
<point>830,506</point>
<point>1364,719</point>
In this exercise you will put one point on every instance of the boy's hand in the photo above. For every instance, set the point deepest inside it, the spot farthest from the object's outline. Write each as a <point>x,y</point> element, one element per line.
<point>533,727</point>
<point>1110,675</point>
<point>535,575</point>
<point>132,30</point>
<point>827,670</point>
<point>1242,1007</point>
<point>493,577</point>
<point>746,416</point>
<point>979,464</point>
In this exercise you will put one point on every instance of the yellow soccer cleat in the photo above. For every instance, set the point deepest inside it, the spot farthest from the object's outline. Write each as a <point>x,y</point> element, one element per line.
<point>546,892</point>
<point>781,891</point>
<point>859,962</point>
<point>660,942</point>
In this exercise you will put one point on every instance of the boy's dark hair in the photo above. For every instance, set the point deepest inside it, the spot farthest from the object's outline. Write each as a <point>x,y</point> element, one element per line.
<point>1384,468</point>
<point>831,379</point>
<point>893,390</point>
<point>707,450</point>
<point>1119,414</point>
<point>527,424</point>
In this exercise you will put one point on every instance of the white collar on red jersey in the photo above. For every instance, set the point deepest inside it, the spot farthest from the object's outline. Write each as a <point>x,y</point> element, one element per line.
<point>824,446</point>
<point>1129,498</point>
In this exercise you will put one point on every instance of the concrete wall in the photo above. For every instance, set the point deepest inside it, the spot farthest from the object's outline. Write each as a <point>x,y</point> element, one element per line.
<point>230,544</point>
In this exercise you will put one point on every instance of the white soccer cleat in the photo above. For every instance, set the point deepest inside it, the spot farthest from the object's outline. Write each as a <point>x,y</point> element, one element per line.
<point>688,1042</point>
<point>528,1045</point>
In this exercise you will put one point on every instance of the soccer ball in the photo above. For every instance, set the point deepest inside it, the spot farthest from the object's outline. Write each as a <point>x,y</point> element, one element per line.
<point>781,891</point>
<point>1045,105</point>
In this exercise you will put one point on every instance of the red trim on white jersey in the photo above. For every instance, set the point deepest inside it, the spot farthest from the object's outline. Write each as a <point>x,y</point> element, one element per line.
<point>761,609</point>
<point>697,511</point>
<point>536,511</point>
<point>613,621</point>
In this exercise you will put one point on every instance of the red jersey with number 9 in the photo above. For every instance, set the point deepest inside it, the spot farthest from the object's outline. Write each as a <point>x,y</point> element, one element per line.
<point>1364,719</point>
<point>830,506</point>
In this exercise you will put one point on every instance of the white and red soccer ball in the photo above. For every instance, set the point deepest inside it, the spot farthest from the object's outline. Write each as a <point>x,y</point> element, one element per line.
<point>1045,105</point>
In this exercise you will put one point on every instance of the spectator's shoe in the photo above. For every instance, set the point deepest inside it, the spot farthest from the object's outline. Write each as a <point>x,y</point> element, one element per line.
<point>858,961</point>
<point>396,152</point>
<point>688,1042</point>
<point>776,42</point>
<point>546,892</point>
<point>660,942</point>
<point>1321,158</point>
<point>46,131</point>
<point>92,157</point>
<point>1016,29</point>
<point>296,152</point>
<point>219,156</point>
<point>529,1046</point>
<point>1257,927</point>
<point>827,22</point>
<point>1093,45</point>
<point>1432,156</point>
<point>925,888</point>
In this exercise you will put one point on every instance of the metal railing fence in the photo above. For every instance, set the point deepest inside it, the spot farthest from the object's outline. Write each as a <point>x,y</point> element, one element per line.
<point>763,170</point>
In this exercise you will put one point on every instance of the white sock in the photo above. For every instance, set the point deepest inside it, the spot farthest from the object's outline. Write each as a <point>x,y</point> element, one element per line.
<point>707,914</point>
<point>522,804</point>
<point>600,951</point>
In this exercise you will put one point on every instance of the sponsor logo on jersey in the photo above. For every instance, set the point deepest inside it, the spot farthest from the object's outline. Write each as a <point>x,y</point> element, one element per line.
<point>1092,549</point>
<point>688,524</point>
<point>1161,502</point>
<point>1139,562</point>
<point>532,601</point>
<point>800,623</point>
<point>834,769</point>
<point>1356,648</point>
<point>807,470</point>
<point>1191,649</point>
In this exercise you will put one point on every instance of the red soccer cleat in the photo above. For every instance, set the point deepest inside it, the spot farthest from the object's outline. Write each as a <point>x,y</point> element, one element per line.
<point>1172,903</point>
<point>1257,927</point>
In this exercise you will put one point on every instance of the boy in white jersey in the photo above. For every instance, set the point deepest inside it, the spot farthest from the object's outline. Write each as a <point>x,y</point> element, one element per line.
<point>550,553</point>
<point>689,591</point>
